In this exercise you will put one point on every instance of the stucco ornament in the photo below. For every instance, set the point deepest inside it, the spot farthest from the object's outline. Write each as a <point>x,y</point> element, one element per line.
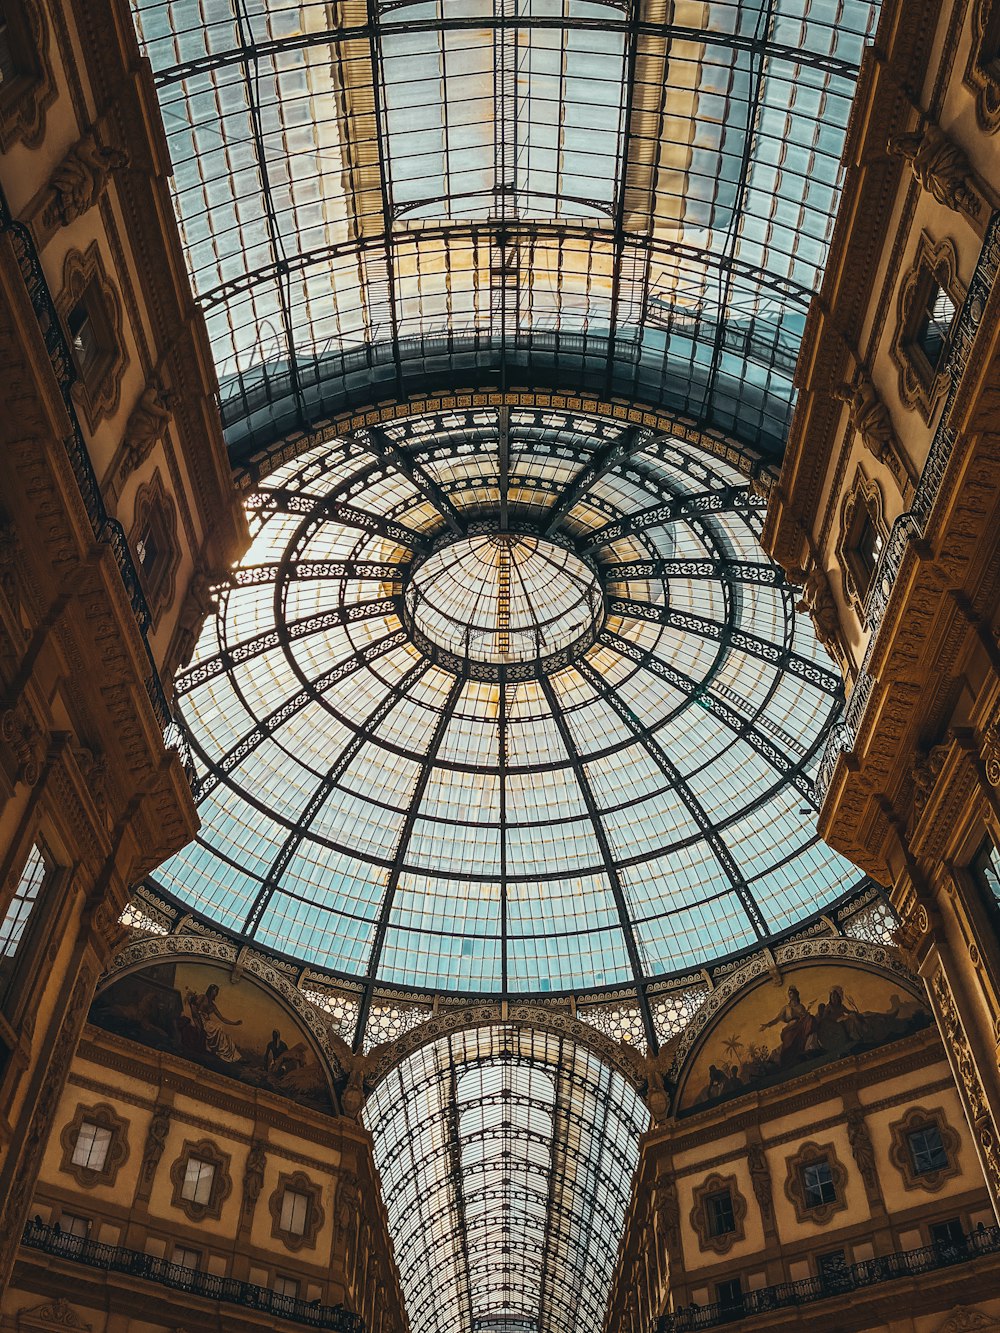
<point>80,179</point>
<point>940,167</point>
<point>966,1319</point>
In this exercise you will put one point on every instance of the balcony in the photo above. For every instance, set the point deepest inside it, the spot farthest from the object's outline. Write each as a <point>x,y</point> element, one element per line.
<point>842,1282</point>
<point>191,1281</point>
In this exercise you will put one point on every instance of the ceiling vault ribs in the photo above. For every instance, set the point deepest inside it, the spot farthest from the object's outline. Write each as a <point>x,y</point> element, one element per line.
<point>610,865</point>
<point>322,792</point>
<point>694,807</point>
<point>392,882</point>
<point>267,49</point>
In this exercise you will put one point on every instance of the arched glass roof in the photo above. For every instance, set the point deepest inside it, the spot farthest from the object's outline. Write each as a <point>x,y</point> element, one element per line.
<point>628,197</point>
<point>605,776</point>
<point>506,1155</point>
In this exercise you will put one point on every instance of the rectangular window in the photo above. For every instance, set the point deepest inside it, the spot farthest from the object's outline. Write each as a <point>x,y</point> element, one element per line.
<point>294,1212</point>
<point>721,1220</point>
<point>70,1225</point>
<point>729,1294</point>
<point>13,927</point>
<point>818,1185</point>
<point>287,1287</point>
<point>185,1258</point>
<point>927,1151</point>
<point>199,1177</point>
<point>948,1235</point>
<point>92,1144</point>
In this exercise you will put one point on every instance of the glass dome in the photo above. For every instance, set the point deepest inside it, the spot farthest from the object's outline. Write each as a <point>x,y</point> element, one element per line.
<point>506,701</point>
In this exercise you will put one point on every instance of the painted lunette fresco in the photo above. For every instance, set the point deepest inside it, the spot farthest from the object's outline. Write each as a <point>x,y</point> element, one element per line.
<point>197,1011</point>
<point>781,1029</point>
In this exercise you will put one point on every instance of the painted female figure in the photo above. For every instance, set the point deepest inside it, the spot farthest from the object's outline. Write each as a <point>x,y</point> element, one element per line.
<point>208,1021</point>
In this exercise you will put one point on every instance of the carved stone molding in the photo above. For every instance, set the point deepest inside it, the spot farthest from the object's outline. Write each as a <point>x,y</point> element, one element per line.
<point>870,418</point>
<point>982,71</point>
<point>963,1061</point>
<point>862,1150</point>
<point>990,748</point>
<point>315,1215</point>
<point>25,99</point>
<point>57,1314</point>
<point>716,1184</point>
<point>147,425</point>
<point>966,1319</point>
<point>204,1150</point>
<point>79,181</point>
<point>936,262</point>
<point>253,1178</point>
<point>941,167</point>
<point>810,1154</point>
<point>901,1157</point>
<point>156,1142</point>
<point>105,1117</point>
<point>98,393</point>
<point>15,1206</point>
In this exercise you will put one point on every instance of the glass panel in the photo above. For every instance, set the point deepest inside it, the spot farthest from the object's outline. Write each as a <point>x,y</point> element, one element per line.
<point>377,199</point>
<point>927,1150</point>
<point>818,1184</point>
<point>294,1212</point>
<point>492,1145</point>
<point>536,757</point>
<point>92,1144</point>
<point>19,910</point>
<point>198,1179</point>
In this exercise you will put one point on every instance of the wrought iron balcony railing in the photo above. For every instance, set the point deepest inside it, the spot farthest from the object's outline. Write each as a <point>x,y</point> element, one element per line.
<point>194,1282</point>
<point>839,1282</point>
<point>106,529</point>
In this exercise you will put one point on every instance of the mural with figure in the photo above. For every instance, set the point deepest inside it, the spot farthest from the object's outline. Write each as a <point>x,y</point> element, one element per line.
<point>237,1028</point>
<point>781,1029</point>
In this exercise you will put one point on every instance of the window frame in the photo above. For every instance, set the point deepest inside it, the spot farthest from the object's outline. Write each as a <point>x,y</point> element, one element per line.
<point>811,1154</point>
<point>297,1182</point>
<point>935,266</point>
<point>710,1188</point>
<point>208,1152</point>
<point>106,1118</point>
<point>919,1118</point>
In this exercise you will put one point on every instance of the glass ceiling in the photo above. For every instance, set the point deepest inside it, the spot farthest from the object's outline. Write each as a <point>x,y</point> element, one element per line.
<point>628,197</point>
<point>507,701</point>
<point>506,1156</point>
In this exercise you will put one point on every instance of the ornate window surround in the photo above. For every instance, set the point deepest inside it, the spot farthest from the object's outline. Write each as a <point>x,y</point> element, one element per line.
<point>107,1118</point>
<point>83,272</point>
<point>155,509</point>
<point>809,1154</point>
<point>864,498</point>
<point>982,74</point>
<point>935,263</point>
<point>222,1181</point>
<point>24,102</point>
<point>700,1221</point>
<point>917,1117</point>
<point>301,1184</point>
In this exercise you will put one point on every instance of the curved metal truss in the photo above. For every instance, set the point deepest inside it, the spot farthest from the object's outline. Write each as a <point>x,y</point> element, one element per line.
<point>484,821</point>
<point>506,1156</point>
<point>383,197</point>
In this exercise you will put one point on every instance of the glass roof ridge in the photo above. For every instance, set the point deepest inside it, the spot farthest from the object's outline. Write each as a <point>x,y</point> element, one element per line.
<point>464,196</point>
